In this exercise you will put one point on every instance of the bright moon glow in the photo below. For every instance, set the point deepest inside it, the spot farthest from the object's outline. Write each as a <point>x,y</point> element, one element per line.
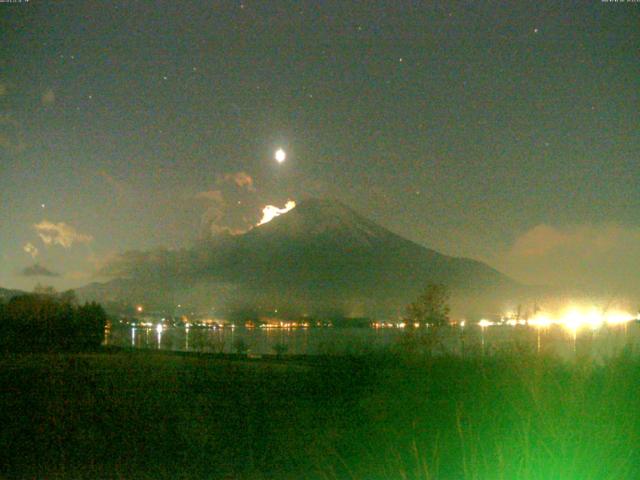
<point>271,211</point>
<point>281,155</point>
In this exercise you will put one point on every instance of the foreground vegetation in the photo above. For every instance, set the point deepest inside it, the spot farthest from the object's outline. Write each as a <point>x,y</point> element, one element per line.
<point>514,415</point>
<point>50,322</point>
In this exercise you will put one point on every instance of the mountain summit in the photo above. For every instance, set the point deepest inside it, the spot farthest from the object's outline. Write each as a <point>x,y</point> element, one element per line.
<point>321,256</point>
<point>313,218</point>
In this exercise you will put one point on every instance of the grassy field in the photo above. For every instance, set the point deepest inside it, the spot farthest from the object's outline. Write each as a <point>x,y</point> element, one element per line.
<point>120,414</point>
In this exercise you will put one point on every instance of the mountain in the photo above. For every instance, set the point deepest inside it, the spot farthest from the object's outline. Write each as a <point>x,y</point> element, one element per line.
<point>319,257</point>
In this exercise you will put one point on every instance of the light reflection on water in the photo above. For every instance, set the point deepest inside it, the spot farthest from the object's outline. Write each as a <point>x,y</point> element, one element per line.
<point>598,343</point>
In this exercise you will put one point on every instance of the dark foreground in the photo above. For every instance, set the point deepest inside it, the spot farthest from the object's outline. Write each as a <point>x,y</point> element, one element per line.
<point>159,415</point>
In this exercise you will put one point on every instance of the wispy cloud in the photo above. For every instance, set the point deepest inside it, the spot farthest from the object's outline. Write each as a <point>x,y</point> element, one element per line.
<point>239,179</point>
<point>212,216</point>
<point>37,270</point>
<point>31,249</point>
<point>229,205</point>
<point>60,234</point>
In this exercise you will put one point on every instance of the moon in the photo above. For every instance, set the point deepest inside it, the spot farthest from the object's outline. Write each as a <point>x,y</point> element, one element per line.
<point>281,155</point>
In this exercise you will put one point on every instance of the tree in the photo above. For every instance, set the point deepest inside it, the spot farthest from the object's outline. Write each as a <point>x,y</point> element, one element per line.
<point>42,322</point>
<point>68,297</point>
<point>431,307</point>
<point>90,322</point>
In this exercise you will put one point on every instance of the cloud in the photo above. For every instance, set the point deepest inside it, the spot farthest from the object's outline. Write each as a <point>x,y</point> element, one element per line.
<point>48,97</point>
<point>239,179</point>
<point>598,256</point>
<point>230,212</point>
<point>60,234</point>
<point>100,261</point>
<point>584,240</point>
<point>151,263</point>
<point>231,206</point>
<point>37,270</point>
<point>31,250</point>
<point>214,213</point>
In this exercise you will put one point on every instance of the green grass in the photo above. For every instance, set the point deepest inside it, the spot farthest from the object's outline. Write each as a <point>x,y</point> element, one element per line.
<point>161,415</point>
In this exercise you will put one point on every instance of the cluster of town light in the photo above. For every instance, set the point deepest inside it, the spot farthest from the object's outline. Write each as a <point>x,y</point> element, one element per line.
<point>393,325</point>
<point>572,318</point>
<point>284,324</point>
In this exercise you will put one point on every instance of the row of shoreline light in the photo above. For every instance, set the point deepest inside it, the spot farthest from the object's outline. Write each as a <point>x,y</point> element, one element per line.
<point>572,319</point>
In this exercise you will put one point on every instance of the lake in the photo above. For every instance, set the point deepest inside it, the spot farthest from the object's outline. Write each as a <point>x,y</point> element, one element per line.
<point>598,343</point>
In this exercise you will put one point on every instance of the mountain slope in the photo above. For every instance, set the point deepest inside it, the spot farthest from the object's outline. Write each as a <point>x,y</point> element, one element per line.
<point>320,256</point>
<point>327,244</point>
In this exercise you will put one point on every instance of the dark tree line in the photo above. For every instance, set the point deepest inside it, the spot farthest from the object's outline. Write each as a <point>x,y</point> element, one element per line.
<point>47,322</point>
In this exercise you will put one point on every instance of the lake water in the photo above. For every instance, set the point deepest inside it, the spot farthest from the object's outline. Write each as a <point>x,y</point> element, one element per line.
<point>603,342</point>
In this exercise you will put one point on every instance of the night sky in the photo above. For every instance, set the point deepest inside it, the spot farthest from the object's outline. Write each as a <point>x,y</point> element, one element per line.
<point>503,131</point>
